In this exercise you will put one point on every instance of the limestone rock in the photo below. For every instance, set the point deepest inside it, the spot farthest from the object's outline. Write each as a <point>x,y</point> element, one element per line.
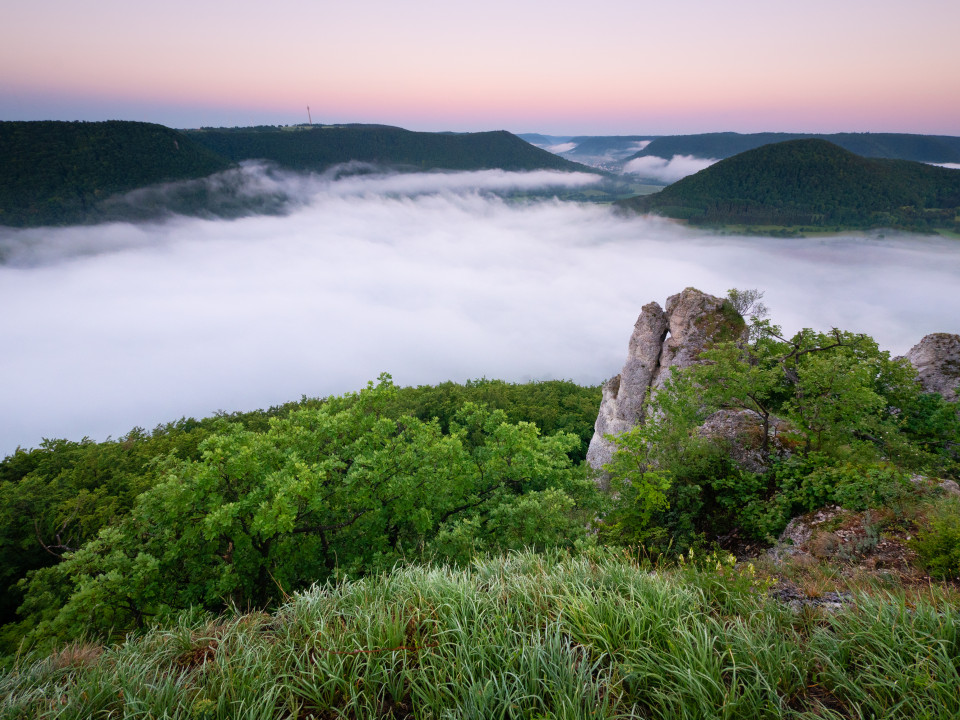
<point>949,487</point>
<point>625,395</point>
<point>942,486</point>
<point>937,360</point>
<point>742,432</point>
<point>694,321</point>
<point>660,340</point>
<point>794,598</point>
<point>798,532</point>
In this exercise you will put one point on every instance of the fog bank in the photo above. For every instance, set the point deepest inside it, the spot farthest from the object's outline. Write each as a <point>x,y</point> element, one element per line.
<point>668,171</point>
<point>429,277</point>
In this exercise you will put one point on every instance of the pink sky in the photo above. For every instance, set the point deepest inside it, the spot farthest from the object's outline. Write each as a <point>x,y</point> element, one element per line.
<point>605,67</point>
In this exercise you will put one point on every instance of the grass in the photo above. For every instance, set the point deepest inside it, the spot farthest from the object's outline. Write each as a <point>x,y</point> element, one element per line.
<point>523,636</point>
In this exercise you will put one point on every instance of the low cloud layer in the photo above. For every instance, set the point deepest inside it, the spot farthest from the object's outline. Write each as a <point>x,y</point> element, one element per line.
<point>429,277</point>
<point>668,171</point>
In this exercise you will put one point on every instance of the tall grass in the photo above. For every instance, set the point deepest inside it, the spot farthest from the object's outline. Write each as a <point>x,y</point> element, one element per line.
<point>530,636</point>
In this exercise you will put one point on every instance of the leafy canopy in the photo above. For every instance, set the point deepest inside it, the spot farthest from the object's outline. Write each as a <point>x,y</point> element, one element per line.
<point>341,489</point>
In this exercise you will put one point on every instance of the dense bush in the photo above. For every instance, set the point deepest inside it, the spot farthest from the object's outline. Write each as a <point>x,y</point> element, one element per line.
<point>938,544</point>
<point>342,487</point>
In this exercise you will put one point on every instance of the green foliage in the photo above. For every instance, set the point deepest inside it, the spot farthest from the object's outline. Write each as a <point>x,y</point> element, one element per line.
<point>804,483</point>
<point>841,393</point>
<point>753,502</point>
<point>834,400</point>
<point>811,183</point>
<point>641,491</point>
<point>552,405</point>
<point>929,434</point>
<point>748,303</point>
<point>525,635</point>
<point>870,487</point>
<point>673,469</point>
<point>938,543</point>
<point>337,489</point>
<point>58,172</point>
<point>838,420</point>
<point>56,497</point>
<point>742,378</point>
<point>318,148</point>
<point>900,146</point>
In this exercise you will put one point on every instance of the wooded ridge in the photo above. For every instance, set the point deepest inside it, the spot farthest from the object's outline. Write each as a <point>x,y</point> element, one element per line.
<point>811,183</point>
<point>63,173</point>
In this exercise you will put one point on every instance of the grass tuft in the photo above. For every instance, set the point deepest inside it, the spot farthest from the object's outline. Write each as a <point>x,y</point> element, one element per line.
<point>527,635</point>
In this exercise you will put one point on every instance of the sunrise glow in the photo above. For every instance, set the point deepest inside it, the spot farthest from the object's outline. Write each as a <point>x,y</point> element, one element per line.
<point>612,67</point>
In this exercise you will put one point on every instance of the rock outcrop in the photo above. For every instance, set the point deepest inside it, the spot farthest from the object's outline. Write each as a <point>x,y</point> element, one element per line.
<point>937,361</point>
<point>832,533</point>
<point>660,340</point>
<point>741,432</point>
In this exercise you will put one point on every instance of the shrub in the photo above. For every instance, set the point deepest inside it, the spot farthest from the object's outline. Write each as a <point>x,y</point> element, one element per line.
<point>938,544</point>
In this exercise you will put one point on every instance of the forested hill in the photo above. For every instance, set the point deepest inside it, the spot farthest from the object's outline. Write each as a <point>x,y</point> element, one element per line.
<point>55,172</point>
<point>898,146</point>
<point>60,173</point>
<point>316,148</point>
<point>811,183</point>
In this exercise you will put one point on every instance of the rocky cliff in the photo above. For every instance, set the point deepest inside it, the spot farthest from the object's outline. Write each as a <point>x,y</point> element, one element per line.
<point>937,361</point>
<point>661,339</point>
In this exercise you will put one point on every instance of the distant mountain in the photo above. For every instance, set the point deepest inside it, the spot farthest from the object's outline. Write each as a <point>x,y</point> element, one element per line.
<point>899,146</point>
<point>59,173</point>
<point>600,151</point>
<point>319,147</point>
<point>614,146</point>
<point>811,183</point>
<point>543,141</point>
<point>56,172</point>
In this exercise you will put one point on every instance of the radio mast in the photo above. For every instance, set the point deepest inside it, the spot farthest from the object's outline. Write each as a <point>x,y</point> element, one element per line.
<point>308,115</point>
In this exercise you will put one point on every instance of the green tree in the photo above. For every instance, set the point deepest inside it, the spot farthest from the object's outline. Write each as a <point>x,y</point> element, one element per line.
<point>857,420</point>
<point>641,487</point>
<point>327,491</point>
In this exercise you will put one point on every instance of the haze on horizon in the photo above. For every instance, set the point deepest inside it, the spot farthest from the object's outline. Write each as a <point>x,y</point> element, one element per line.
<point>614,67</point>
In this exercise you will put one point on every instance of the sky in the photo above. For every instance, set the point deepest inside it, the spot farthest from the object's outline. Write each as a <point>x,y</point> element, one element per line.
<point>605,67</point>
<point>430,277</point>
